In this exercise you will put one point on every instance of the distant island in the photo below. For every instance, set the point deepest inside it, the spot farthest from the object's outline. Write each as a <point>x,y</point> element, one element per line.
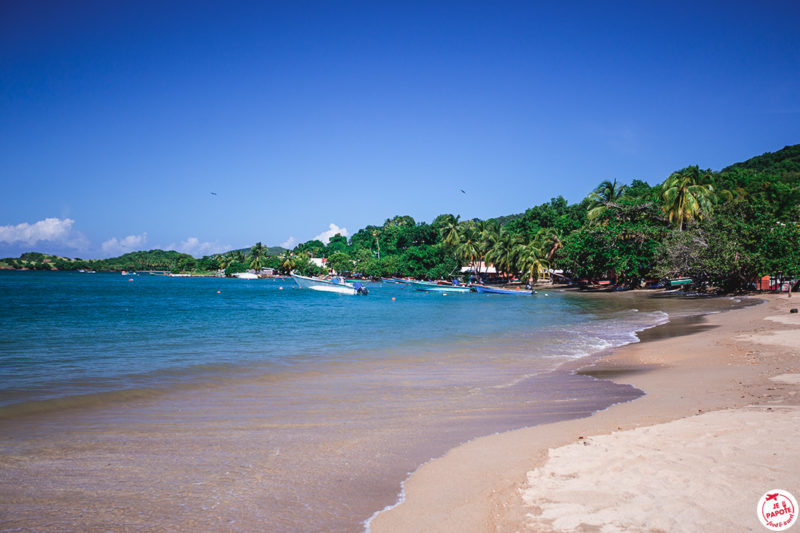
<point>722,229</point>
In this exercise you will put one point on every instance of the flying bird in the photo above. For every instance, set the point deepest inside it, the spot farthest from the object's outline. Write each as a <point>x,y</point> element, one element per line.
<point>213,194</point>
<point>463,191</point>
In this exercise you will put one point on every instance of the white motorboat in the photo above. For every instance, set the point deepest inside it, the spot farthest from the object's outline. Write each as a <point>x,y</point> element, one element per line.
<point>337,284</point>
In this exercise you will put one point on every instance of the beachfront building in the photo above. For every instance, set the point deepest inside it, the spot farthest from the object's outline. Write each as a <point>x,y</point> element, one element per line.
<point>480,268</point>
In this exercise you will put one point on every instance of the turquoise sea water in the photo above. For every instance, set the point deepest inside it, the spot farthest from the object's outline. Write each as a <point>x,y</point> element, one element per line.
<point>201,404</point>
<point>69,333</point>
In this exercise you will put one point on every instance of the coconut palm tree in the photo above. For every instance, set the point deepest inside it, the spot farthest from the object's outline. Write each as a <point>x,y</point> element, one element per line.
<point>469,248</point>
<point>531,261</point>
<point>375,234</point>
<point>608,192</point>
<point>256,255</point>
<point>502,252</point>
<point>450,231</point>
<point>287,262</point>
<point>687,195</point>
<point>549,240</point>
<point>224,261</point>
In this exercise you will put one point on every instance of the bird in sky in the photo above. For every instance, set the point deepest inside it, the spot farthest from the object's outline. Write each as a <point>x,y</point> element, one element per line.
<point>213,194</point>
<point>463,191</point>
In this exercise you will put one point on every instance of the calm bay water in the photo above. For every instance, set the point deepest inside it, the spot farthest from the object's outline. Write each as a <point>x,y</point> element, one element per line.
<point>222,404</point>
<point>71,333</point>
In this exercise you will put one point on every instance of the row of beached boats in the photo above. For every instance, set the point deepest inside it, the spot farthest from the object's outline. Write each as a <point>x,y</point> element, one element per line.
<point>345,286</point>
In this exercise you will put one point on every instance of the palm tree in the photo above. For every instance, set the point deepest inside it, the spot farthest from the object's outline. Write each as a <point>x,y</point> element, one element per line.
<point>449,231</point>
<point>687,195</point>
<point>375,234</point>
<point>531,261</point>
<point>489,237</point>
<point>256,254</point>
<point>502,252</point>
<point>469,248</point>
<point>549,240</point>
<point>608,192</point>
<point>224,261</point>
<point>287,262</point>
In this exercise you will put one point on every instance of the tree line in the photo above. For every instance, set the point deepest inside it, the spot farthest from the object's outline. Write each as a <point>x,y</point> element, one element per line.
<point>720,228</point>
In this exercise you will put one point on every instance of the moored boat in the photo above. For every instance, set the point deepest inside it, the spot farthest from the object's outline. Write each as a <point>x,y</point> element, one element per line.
<point>433,286</point>
<point>337,285</point>
<point>495,290</point>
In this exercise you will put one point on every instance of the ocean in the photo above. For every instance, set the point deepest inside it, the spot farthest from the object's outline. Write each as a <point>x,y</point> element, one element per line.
<point>133,402</point>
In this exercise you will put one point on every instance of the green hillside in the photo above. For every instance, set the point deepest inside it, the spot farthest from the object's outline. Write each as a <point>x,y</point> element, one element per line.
<point>723,229</point>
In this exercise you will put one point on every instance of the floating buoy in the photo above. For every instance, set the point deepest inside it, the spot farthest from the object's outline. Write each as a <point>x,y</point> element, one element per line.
<point>280,288</point>
<point>219,292</point>
<point>393,298</point>
<point>130,279</point>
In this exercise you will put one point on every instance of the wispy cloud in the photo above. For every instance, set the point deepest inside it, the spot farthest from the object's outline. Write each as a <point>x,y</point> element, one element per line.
<point>124,245</point>
<point>333,229</point>
<point>51,230</point>
<point>289,243</point>
<point>193,246</point>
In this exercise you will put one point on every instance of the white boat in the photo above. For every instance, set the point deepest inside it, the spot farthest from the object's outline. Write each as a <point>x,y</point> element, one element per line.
<point>436,287</point>
<point>338,285</point>
<point>245,275</point>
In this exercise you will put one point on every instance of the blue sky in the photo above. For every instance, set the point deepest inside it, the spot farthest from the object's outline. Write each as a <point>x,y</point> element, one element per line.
<point>118,120</point>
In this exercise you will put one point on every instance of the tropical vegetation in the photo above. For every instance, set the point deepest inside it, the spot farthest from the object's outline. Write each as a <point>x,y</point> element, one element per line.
<point>722,229</point>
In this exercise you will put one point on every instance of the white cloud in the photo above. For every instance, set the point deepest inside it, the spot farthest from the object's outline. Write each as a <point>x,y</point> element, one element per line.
<point>52,230</point>
<point>194,247</point>
<point>333,229</point>
<point>289,243</point>
<point>127,244</point>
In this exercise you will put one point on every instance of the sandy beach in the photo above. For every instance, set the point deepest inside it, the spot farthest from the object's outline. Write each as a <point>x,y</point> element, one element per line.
<point>717,428</point>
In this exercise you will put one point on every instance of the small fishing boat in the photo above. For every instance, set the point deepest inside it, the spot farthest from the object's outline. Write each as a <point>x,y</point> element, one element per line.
<point>245,275</point>
<point>338,285</point>
<point>433,286</point>
<point>496,290</point>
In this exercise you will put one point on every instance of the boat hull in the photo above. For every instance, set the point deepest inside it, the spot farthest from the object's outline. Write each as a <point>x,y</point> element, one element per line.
<point>493,290</point>
<point>427,286</point>
<point>323,285</point>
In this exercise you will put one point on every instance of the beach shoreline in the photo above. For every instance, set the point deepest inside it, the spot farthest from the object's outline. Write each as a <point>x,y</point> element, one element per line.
<point>720,364</point>
<point>324,448</point>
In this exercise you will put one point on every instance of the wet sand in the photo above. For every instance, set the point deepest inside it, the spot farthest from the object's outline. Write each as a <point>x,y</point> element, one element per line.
<point>695,453</point>
<point>312,451</point>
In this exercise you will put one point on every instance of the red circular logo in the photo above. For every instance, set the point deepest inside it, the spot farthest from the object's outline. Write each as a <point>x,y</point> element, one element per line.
<point>777,510</point>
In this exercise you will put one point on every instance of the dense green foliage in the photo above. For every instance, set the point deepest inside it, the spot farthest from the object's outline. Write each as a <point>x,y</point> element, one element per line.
<point>159,260</point>
<point>722,229</point>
